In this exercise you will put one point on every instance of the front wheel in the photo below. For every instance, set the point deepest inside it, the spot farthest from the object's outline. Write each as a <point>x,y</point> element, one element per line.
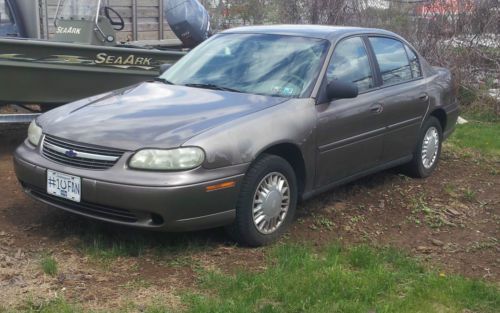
<point>267,202</point>
<point>428,150</point>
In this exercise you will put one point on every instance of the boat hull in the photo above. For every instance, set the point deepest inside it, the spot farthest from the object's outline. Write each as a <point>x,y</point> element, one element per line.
<point>53,73</point>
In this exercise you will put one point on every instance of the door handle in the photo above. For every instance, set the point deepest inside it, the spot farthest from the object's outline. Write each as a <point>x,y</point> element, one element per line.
<point>377,108</point>
<point>423,97</point>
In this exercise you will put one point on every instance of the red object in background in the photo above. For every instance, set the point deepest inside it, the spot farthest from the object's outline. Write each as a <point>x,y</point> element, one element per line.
<point>446,7</point>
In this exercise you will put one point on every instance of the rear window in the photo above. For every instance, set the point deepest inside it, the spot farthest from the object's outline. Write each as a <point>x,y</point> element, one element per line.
<point>392,60</point>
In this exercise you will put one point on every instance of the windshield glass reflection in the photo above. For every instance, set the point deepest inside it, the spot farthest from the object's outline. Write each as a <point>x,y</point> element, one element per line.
<point>274,65</point>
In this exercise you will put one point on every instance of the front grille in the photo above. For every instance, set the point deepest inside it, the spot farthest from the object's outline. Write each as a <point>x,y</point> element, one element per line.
<point>84,207</point>
<point>79,155</point>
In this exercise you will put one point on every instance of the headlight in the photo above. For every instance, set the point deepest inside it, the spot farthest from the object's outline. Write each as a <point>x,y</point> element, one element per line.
<point>175,159</point>
<point>34,133</point>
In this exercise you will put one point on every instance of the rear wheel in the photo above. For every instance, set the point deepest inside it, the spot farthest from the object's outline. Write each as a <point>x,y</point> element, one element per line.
<point>428,150</point>
<point>267,202</point>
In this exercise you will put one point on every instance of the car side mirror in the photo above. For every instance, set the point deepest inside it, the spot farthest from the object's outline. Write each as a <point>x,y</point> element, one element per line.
<point>164,67</point>
<point>339,89</point>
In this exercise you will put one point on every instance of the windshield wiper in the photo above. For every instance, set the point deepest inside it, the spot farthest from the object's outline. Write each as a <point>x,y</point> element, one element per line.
<point>163,80</point>
<point>212,86</point>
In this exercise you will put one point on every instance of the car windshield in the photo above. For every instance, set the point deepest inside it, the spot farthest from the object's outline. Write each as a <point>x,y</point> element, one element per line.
<point>274,65</point>
<point>77,9</point>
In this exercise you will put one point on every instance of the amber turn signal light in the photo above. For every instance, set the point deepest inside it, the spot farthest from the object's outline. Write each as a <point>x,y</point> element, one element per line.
<point>229,184</point>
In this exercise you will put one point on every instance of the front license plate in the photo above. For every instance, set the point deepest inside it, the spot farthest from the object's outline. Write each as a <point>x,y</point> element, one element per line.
<point>64,185</point>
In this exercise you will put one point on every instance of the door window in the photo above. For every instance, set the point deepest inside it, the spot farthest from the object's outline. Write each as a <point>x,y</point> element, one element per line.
<point>350,63</point>
<point>5,13</point>
<point>414,63</point>
<point>392,60</point>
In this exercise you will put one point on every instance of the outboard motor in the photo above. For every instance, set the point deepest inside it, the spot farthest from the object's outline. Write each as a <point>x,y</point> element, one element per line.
<point>189,20</point>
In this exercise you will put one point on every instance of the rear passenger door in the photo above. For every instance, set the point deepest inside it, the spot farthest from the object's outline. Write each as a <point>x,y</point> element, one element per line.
<point>405,100</point>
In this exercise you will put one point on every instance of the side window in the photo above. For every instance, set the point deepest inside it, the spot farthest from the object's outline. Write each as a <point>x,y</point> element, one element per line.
<point>350,63</point>
<point>392,60</point>
<point>4,13</point>
<point>414,63</point>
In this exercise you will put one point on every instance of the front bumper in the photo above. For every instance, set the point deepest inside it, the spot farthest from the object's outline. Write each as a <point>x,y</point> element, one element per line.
<point>153,200</point>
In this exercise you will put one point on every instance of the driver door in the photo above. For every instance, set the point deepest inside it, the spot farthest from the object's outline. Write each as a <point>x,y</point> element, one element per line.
<point>350,131</point>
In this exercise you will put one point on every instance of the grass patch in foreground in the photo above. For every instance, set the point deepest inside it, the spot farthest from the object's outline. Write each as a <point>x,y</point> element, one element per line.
<point>334,279</point>
<point>481,136</point>
<point>59,305</point>
<point>55,306</point>
<point>106,244</point>
<point>360,279</point>
<point>48,265</point>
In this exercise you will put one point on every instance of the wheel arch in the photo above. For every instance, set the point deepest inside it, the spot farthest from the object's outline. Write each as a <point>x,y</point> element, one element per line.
<point>440,114</point>
<point>293,155</point>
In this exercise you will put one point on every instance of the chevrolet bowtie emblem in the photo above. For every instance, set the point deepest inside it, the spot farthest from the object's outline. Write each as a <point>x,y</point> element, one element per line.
<point>71,153</point>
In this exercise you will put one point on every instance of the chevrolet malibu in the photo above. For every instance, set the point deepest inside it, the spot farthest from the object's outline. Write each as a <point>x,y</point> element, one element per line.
<point>242,128</point>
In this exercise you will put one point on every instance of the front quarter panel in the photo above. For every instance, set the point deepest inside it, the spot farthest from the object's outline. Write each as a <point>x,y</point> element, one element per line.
<point>243,140</point>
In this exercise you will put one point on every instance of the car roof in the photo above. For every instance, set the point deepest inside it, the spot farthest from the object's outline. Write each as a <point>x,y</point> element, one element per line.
<point>331,33</point>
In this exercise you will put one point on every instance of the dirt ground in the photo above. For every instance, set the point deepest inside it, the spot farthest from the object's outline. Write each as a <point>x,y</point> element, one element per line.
<point>450,221</point>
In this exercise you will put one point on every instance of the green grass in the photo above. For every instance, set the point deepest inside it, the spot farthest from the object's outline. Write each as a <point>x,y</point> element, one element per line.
<point>481,136</point>
<point>59,305</point>
<point>360,279</point>
<point>104,245</point>
<point>48,265</point>
<point>333,279</point>
<point>106,248</point>
<point>470,195</point>
<point>483,130</point>
<point>55,306</point>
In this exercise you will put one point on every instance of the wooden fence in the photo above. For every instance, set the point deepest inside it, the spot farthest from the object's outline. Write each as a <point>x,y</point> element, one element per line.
<point>144,19</point>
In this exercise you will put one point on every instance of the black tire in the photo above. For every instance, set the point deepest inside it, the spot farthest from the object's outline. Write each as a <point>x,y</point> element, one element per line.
<point>415,168</point>
<point>244,230</point>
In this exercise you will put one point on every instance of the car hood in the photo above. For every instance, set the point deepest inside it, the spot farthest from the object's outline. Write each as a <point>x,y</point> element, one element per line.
<point>149,115</point>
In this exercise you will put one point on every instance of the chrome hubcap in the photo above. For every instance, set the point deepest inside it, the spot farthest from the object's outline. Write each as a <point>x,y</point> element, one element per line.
<point>430,147</point>
<point>271,202</point>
